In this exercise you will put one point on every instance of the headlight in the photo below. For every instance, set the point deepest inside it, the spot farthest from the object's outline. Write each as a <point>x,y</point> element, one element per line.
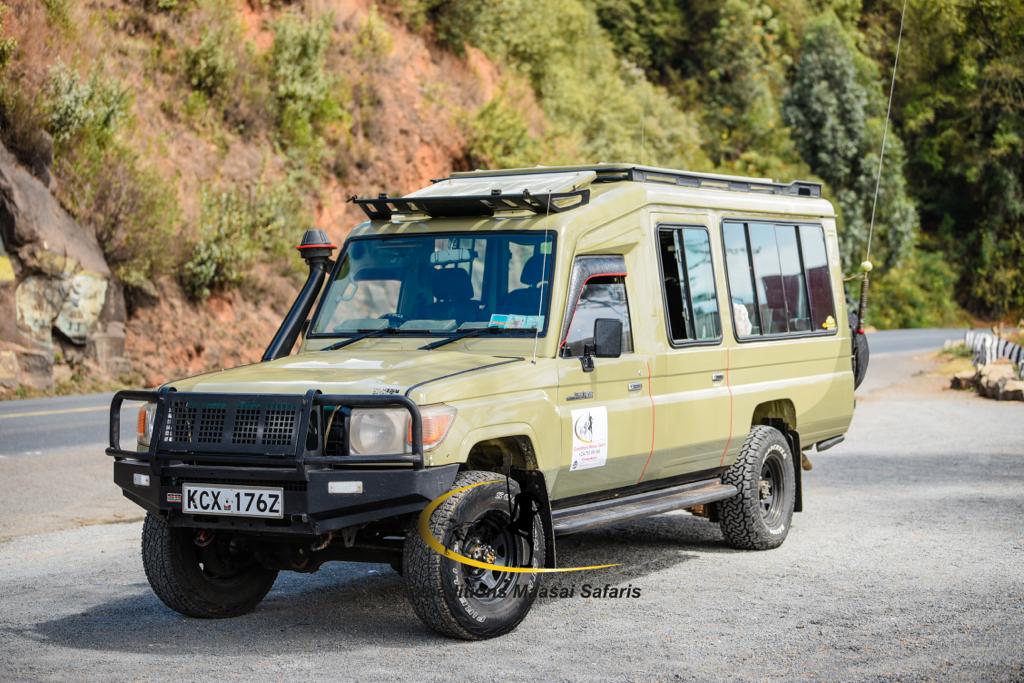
<point>378,431</point>
<point>389,431</point>
<point>144,425</point>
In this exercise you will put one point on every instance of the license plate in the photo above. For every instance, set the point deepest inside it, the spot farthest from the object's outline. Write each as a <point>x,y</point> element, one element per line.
<point>244,501</point>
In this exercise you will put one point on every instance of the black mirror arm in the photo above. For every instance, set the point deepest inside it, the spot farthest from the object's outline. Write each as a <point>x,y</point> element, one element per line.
<point>587,359</point>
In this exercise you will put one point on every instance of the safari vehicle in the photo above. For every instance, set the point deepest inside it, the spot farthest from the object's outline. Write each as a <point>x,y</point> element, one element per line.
<point>550,349</point>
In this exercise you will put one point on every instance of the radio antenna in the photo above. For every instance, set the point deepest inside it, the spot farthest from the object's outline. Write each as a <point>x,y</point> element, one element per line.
<point>865,265</point>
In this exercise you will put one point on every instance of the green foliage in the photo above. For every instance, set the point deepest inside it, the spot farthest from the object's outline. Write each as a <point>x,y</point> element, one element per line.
<point>373,40</point>
<point>210,66</point>
<point>961,106</point>
<point>168,6</point>
<point>597,106</point>
<point>829,110</point>
<point>237,228</point>
<point>133,212</point>
<point>499,137</point>
<point>741,109</point>
<point>915,294</point>
<point>58,11</point>
<point>304,92</point>
<point>83,109</point>
<point>652,34</point>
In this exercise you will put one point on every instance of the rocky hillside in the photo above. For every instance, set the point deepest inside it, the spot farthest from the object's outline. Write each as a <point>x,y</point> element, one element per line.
<point>160,157</point>
<point>156,172</point>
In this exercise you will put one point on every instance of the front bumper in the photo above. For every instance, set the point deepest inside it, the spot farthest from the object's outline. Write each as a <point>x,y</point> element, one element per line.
<point>308,507</point>
<point>271,441</point>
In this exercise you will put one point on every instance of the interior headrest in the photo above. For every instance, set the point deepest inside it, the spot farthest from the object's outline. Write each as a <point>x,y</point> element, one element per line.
<point>532,271</point>
<point>452,284</point>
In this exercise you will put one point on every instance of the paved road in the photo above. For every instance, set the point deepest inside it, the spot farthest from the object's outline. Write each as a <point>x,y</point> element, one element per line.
<point>911,341</point>
<point>906,563</point>
<point>38,426</point>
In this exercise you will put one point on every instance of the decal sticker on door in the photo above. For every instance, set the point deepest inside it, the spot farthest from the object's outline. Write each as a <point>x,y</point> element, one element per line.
<point>589,438</point>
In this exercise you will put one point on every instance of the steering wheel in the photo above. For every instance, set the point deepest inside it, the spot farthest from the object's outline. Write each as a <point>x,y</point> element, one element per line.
<point>394,319</point>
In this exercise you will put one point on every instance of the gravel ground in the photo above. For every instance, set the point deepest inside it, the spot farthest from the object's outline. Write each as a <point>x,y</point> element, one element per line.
<point>906,564</point>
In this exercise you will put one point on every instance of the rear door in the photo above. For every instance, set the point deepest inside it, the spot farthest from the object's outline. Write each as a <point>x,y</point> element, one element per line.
<point>605,414</point>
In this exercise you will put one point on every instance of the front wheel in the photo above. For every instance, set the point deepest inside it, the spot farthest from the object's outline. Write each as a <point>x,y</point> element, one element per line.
<point>467,602</point>
<point>758,517</point>
<point>202,573</point>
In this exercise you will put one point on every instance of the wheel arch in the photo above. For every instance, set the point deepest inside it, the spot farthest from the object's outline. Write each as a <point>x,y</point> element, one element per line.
<point>514,454</point>
<point>781,414</point>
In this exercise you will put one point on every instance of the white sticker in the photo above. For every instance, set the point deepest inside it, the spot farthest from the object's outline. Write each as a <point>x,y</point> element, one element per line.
<point>589,438</point>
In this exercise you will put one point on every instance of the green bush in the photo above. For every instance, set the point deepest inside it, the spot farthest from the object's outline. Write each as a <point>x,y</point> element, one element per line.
<point>133,212</point>
<point>237,228</point>
<point>210,65</point>
<point>499,137</point>
<point>304,92</point>
<point>921,292</point>
<point>78,109</point>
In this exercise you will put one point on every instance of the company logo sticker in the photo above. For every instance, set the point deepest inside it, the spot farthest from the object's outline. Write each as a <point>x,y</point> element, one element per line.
<point>589,438</point>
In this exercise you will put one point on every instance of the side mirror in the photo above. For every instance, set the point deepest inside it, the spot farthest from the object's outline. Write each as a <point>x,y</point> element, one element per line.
<point>607,337</point>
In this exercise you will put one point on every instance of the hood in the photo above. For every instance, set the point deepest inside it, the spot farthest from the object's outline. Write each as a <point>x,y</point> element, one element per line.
<point>339,372</point>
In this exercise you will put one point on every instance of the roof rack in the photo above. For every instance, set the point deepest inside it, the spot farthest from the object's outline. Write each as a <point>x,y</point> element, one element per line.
<point>384,207</point>
<point>640,174</point>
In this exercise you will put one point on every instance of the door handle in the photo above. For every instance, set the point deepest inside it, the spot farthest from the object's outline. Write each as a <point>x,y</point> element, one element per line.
<point>717,376</point>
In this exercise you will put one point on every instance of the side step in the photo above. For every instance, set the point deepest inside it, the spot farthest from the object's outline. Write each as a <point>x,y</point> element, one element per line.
<point>602,512</point>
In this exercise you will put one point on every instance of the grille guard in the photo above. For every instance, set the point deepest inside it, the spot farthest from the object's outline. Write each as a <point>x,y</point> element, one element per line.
<point>252,429</point>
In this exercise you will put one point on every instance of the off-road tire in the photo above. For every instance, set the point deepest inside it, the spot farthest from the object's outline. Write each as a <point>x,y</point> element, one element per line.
<point>433,582</point>
<point>171,560</point>
<point>741,518</point>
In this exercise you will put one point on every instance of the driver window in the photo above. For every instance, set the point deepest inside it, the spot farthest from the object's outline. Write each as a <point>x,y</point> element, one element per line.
<point>604,296</point>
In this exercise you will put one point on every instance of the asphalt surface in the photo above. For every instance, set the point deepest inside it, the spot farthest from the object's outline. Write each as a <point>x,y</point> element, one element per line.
<point>907,563</point>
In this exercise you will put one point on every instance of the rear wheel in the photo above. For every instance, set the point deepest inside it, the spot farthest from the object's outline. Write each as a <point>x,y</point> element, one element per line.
<point>759,516</point>
<point>467,602</point>
<point>201,573</point>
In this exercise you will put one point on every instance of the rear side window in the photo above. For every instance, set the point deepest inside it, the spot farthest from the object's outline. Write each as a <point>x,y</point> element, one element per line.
<point>778,279</point>
<point>688,278</point>
<point>603,296</point>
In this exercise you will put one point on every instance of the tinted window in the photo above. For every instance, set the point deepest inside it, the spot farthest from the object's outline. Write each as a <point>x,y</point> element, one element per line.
<point>689,281</point>
<point>602,297</point>
<point>741,281</point>
<point>794,291</point>
<point>433,284</point>
<point>779,278</point>
<point>819,285</point>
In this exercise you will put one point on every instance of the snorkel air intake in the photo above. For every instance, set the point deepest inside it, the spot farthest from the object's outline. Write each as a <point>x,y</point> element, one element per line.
<point>316,249</point>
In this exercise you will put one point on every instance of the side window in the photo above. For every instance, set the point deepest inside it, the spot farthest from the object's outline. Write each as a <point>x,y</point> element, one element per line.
<point>604,296</point>
<point>741,281</point>
<point>819,284</point>
<point>779,279</point>
<point>689,281</point>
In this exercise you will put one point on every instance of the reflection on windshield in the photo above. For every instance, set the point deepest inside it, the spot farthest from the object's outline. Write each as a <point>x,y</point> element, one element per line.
<point>437,284</point>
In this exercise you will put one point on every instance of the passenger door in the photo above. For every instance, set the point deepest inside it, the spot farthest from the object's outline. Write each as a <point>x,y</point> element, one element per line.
<point>691,380</point>
<point>605,414</point>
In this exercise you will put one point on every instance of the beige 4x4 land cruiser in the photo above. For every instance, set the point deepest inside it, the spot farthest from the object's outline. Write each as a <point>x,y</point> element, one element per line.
<point>548,349</point>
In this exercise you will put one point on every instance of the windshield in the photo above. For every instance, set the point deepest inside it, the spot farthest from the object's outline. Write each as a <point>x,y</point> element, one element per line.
<point>440,284</point>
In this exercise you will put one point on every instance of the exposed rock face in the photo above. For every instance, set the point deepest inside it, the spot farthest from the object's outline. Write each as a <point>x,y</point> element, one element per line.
<point>56,290</point>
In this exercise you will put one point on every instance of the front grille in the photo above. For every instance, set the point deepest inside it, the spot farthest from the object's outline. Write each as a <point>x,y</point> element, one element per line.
<point>226,424</point>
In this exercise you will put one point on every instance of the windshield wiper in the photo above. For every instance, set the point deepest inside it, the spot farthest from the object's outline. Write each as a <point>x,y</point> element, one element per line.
<point>363,334</point>
<point>473,332</point>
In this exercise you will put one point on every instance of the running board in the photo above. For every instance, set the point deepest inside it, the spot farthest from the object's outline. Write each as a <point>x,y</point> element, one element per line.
<point>592,515</point>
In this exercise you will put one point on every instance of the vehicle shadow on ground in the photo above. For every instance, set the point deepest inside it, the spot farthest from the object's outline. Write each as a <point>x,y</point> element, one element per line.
<point>350,605</point>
